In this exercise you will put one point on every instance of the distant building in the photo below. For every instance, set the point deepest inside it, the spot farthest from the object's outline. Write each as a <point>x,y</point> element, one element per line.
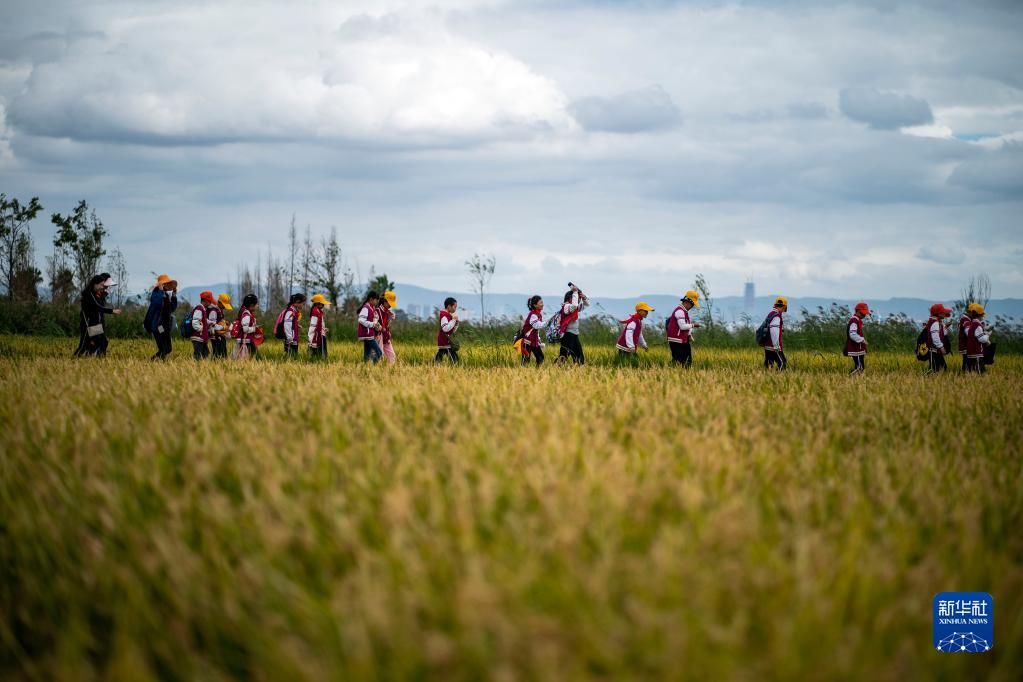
<point>749,297</point>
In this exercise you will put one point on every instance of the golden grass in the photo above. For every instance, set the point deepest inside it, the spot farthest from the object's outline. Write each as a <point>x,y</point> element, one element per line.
<point>276,521</point>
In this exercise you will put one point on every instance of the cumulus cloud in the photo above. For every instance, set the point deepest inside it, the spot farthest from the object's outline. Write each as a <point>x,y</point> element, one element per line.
<point>884,110</point>
<point>946,255</point>
<point>373,79</point>
<point>636,111</point>
<point>998,172</point>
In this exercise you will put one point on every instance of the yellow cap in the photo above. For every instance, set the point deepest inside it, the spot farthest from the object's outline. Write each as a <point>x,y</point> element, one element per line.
<point>975,308</point>
<point>694,296</point>
<point>643,306</point>
<point>781,300</point>
<point>225,300</point>
<point>391,298</point>
<point>320,298</point>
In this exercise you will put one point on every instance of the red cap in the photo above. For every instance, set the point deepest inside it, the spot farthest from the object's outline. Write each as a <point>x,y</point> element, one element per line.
<point>940,309</point>
<point>862,307</point>
<point>206,296</point>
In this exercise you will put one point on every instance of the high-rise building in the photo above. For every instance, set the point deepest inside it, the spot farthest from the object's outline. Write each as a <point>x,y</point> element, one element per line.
<point>749,297</point>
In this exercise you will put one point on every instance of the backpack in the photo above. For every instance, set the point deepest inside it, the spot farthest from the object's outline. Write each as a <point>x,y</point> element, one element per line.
<point>186,325</point>
<point>279,326</point>
<point>922,351</point>
<point>763,333</point>
<point>552,330</point>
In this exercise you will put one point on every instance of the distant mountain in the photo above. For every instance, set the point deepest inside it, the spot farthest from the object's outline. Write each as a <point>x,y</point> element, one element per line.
<point>421,302</point>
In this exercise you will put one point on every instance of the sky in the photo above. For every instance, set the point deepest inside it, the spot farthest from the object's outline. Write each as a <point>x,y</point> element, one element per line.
<point>853,150</point>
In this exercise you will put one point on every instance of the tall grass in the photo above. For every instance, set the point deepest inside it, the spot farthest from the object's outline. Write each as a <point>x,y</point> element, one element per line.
<point>337,521</point>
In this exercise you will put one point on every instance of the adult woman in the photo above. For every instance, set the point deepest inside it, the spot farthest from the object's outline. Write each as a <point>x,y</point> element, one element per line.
<point>163,301</point>
<point>92,338</point>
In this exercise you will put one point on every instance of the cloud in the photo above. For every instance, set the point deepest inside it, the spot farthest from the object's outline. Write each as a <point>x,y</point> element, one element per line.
<point>950,255</point>
<point>884,110</point>
<point>996,172</point>
<point>636,111</point>
<point>376,80</point>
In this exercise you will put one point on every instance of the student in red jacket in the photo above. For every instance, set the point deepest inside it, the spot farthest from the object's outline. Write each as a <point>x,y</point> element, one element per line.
<point>630,340</point>
<point>201,326</point>
<point>368,327</point>
<point>216,319</point>
<point>575,302</point>
<point>247,327</point>
<point>318,328</point>
<point>292,315</point>
<point>855,342</point>
<point>680,329</point>
<point>937,343</point>
<point>964,327</point>
<point>774,350</point>
<point>977,338</point>
<point>388,302</point>
<point>447,346</point>
<point>531,326</point>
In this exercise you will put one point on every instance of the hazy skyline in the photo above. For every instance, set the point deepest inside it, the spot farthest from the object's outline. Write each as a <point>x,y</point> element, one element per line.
<point>832,149</point>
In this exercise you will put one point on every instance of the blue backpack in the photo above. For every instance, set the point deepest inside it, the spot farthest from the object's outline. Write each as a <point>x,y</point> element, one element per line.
<point>186,325</point>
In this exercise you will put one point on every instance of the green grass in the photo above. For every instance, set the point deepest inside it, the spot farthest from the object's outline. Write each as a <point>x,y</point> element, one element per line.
<point>280,521</point>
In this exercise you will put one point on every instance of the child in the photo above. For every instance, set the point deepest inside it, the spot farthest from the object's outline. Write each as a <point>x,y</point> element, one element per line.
<point>976,339</point>
<point>774,350</point>
<point>964,328</point>
<point>680,329</point>
<point>531,326</point>
<point>217,321</point>
<point>368,326</point>
<point>291,316</point>
<point>247,327</point>
<point>317,328</point>
<point>937,343</point>
<point>631,339</point>
<point>855,343</point>
<point>447,347</point>
<point>574,302</point>
<point>201,326</point>
<point>386,312</point>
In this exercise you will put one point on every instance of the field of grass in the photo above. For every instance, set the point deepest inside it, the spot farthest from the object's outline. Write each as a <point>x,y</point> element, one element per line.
<point>338,521</point>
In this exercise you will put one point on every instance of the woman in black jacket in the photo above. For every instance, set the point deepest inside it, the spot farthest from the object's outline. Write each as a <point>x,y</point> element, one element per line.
<point>92,339</point>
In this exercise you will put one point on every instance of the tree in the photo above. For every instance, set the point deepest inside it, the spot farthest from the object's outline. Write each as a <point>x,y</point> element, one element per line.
<point>379,283</point>
<point>707,304</point>
<point>326,267</point>
<point>977,290</point>
<point>119,271</point>
<point>481,269</point>
<point>81,235</point>
<point>60,276</point>
<point>293,254</point>
<point>307,261</point>
<point>16,262</point>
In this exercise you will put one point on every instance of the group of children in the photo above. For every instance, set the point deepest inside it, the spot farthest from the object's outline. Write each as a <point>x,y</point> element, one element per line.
<point>210,332</point>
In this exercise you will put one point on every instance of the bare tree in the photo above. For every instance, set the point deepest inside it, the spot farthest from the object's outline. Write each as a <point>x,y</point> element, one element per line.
<point>118,269</point>
<point>327,267</point>
<point>257,281</point>
<point>977,290</point>
<point>246,283</point>
<point>481,269</point>
<point>708,304</point>
<point>16,251</point>
<point>307,260</point>
<point>292,255</point>
<point>81,235</point>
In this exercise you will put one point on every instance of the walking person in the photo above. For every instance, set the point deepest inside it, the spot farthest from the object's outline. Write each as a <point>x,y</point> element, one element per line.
<point>318,328</point>
<point>385,310</point>
<point>163,301</point>
<point>216,320</point>
<point>937,342</point>
<point>573,304</point>
<point>447,345</point>
<point>245,328</point>
<point>774,342</point>
<point>368,327</point>
<point>680,329</point>
<point>963,329</point>
<point>92,337</point>
<point>855,342</point>
<point>630,340</point>
<point>200,332</point>
<point>288,323</point>
<point>530,333</point>
<point>977,339</point>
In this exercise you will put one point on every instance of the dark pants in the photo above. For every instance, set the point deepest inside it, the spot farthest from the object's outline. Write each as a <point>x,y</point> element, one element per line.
<point>536,352</point>
<point>858,363</point>
<point>936,361</point>
<point>371,351</point>
<point>92,345</point>
<point>775,358</point>
<point>681,353</point>
<point>219,344</point>
<point>976,365</point>
<point>966,363</point>
<point>572,348</point>
<point>163,344</point>
<point>319,352</point>
<point>290,351</point>
<point>200,350</point>
<point>449,353</point>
